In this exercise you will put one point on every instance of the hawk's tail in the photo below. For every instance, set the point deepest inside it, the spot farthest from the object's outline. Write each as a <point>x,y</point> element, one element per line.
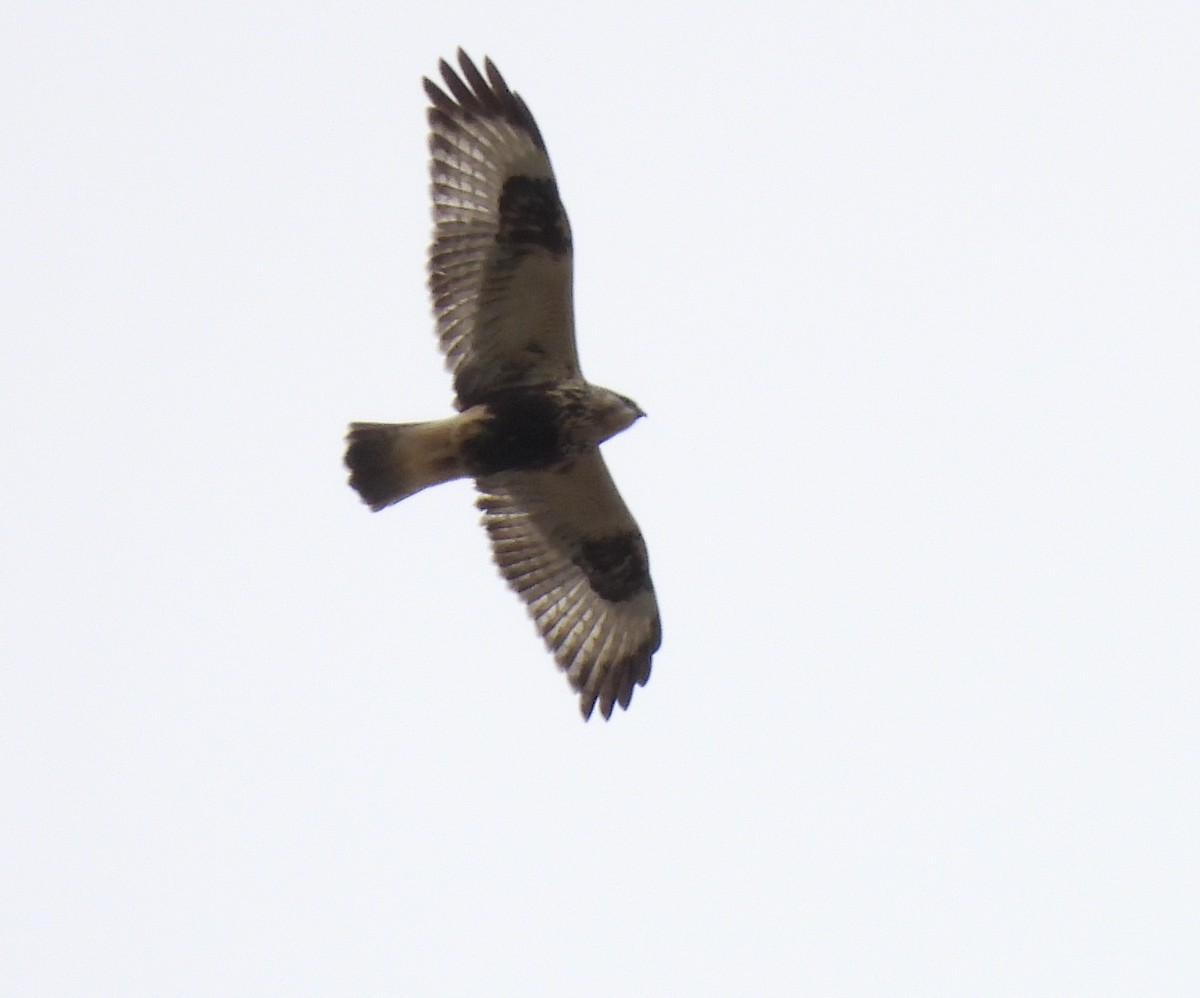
<point>392,461</point>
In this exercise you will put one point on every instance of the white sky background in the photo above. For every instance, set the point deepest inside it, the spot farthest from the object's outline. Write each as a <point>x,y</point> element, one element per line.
<point>910,294</point>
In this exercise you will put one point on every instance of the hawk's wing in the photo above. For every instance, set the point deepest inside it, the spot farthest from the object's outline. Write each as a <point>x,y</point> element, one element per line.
<point>500,262</point>
<point>567,544</point>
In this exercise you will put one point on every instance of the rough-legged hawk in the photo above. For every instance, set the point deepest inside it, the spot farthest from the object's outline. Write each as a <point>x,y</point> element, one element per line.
<point>529,426</point>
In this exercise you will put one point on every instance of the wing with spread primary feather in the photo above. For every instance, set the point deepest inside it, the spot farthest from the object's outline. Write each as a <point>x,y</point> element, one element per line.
<point>500,261</point>
<point>567,544</point>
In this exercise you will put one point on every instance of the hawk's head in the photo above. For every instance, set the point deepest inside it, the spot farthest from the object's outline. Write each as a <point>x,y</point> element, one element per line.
<point>608,413</point>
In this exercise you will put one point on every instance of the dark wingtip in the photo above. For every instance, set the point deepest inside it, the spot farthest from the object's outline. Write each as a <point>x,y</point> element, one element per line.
<point>480,93</point>
<point>622,694</point>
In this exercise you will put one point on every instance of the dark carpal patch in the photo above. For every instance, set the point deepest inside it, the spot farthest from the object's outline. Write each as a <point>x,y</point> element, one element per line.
<point>522,434</point>
<point>615,566</point>
<point>532,215</point>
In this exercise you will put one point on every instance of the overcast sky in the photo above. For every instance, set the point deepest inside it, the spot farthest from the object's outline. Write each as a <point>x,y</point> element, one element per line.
<point>910,294</point>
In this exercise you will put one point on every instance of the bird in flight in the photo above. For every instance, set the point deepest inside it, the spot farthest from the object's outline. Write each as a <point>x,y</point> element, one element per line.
<point>528,426</point>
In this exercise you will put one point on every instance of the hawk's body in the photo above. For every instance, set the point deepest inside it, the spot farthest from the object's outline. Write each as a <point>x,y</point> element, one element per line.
<point>529,425</point>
